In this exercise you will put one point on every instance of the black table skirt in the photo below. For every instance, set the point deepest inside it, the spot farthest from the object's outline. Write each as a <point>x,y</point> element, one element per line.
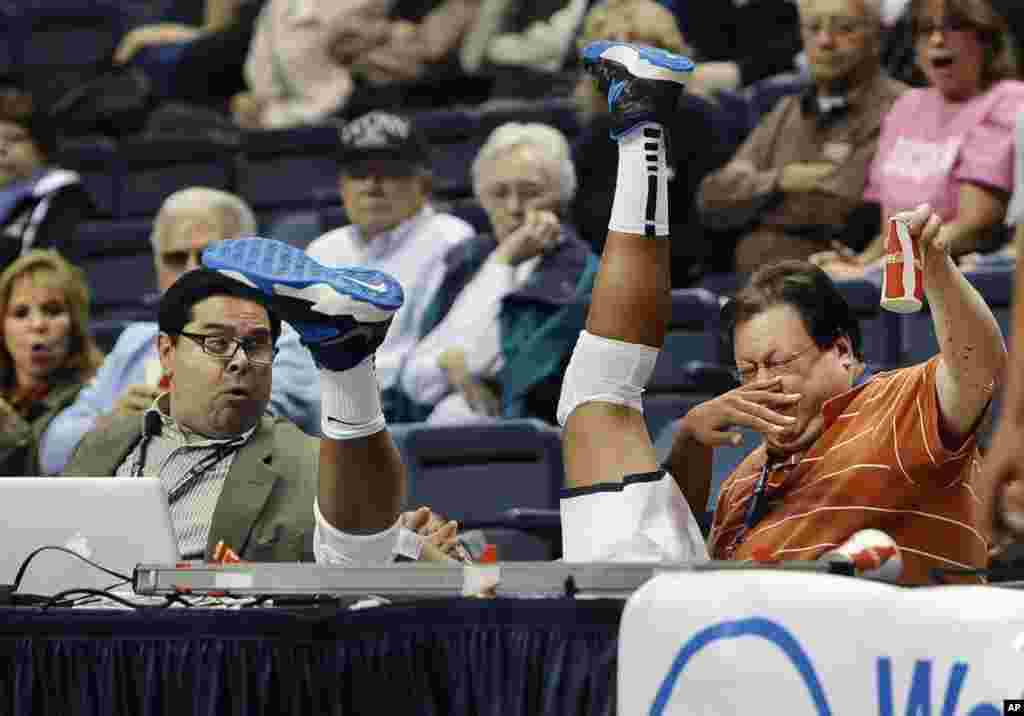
<point>503,657</point>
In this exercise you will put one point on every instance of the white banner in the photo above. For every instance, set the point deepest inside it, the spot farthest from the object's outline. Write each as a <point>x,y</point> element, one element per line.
<point>788,644</point>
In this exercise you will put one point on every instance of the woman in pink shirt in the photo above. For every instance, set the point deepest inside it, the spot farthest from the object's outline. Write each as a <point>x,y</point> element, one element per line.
<point>949,144</point>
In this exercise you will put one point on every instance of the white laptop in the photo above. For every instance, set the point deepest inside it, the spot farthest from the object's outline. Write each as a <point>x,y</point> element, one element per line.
<point>117,522</point>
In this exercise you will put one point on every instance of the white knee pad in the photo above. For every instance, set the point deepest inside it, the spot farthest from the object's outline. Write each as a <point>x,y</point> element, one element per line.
<point>607,371</point>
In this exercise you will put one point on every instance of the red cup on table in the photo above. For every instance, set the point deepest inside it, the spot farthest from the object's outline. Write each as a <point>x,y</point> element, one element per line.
<point>902,278</point>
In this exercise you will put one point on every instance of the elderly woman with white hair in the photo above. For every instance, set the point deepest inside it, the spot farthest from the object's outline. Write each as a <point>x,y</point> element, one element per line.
<point>510,307</point>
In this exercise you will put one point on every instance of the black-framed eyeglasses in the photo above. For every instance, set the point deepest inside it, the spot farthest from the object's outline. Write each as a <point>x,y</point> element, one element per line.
<point>259,351</point>
<point>772,369</point>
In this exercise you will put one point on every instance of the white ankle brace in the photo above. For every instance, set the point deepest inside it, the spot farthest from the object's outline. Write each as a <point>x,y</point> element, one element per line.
<point>350,402</point>
<point>605,370</point>
<point>641,189</point>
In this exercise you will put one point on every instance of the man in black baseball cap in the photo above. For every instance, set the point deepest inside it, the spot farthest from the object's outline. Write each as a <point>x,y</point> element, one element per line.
<point>385,184</point>
<point>384,171</point>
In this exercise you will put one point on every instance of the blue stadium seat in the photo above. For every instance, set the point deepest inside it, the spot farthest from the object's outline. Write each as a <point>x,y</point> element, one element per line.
<point>560,113</point>
<point>881,330</point>
<point>474,472</point>
<point>289,169</point>
<point>661,410</point>
<point>451,163</point>
<point>123,286</point>
<point>65,43</point>
<point>96,161</point>
<point>153,168</point>
<point>8,41</point>
<point>446,125</point>
<point>918,341</point>
<point>104,238</point>
<point>693,335</point>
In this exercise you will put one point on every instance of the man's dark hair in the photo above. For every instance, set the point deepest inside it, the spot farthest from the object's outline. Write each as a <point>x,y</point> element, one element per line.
<point>825,313</point>
<point>194,286</point>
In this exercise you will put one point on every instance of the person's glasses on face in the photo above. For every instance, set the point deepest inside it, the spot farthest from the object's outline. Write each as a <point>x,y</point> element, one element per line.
<point>840,26</point>
<point>259,351</point>
<point>749,372</point>
<point>927,26</point>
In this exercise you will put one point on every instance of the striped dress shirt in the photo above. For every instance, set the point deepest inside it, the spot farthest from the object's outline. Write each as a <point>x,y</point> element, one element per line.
<point>880,463</point>
<point>172,456</point>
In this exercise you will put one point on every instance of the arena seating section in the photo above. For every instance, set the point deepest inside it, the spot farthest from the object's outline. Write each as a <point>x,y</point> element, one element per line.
<point>505,477</point>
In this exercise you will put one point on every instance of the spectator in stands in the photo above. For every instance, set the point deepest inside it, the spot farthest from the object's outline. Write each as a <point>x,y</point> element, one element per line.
<point>739,42</point>
<point>495,339</point>
<point>304,60</point>
<point>46,352</point>
<point>837,440</point>
<point>385,185</point>
<point>1001,484</point>
<point>40,205</point>
<point>131,379</point>
<point>199,62</point>
<point>698,144</point>
<point>415,64</point>
<point>522,44</point>
<point>800,176</point>
<point>259,485</point>
<point>949,144</point>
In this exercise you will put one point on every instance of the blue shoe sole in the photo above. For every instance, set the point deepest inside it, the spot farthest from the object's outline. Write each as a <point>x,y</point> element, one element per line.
<point>280,270</point>
<point>653,55</point>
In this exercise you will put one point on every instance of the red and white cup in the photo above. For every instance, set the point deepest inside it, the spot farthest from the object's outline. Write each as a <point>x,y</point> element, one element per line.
<point>902,278</point>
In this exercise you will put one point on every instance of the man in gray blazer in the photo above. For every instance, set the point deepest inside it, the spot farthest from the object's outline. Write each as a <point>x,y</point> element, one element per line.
<point>257,484</point>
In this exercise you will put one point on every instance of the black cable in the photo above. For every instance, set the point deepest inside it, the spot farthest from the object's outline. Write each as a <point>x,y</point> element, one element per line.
<point>24,565</point>
<point>59,597</point>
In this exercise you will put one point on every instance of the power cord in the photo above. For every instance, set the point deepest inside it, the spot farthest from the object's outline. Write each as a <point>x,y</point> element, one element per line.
<point>24,565</point>
<point>10,596</point>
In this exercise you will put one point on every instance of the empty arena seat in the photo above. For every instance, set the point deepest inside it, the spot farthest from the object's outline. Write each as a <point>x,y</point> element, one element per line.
<point>95,160</point>
<point>100,238</point>
<point>474,472</point>
<point>155,167</point>
<point>918,340</point>
<point>881,330</point>
<point>122,286</point>
<point>693,334</point>
<point>62,44</point>
<point>289,169</point>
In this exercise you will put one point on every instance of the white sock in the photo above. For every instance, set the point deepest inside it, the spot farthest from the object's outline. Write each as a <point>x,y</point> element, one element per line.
<point>641,190</point>
<point>350,402</point>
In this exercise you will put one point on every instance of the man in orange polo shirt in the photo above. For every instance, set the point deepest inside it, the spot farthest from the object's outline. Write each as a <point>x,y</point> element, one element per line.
<point>843,450</point>
<point>893,451</point>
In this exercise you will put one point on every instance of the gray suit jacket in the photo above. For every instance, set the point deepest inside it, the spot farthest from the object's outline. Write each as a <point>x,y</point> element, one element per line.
<point>265,511</point>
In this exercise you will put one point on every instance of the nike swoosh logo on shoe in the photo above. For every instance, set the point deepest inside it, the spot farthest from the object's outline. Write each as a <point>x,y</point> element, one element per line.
<point>375,287</point>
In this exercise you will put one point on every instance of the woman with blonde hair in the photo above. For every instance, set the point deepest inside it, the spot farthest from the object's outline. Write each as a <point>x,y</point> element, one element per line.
<point>46,352</point>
